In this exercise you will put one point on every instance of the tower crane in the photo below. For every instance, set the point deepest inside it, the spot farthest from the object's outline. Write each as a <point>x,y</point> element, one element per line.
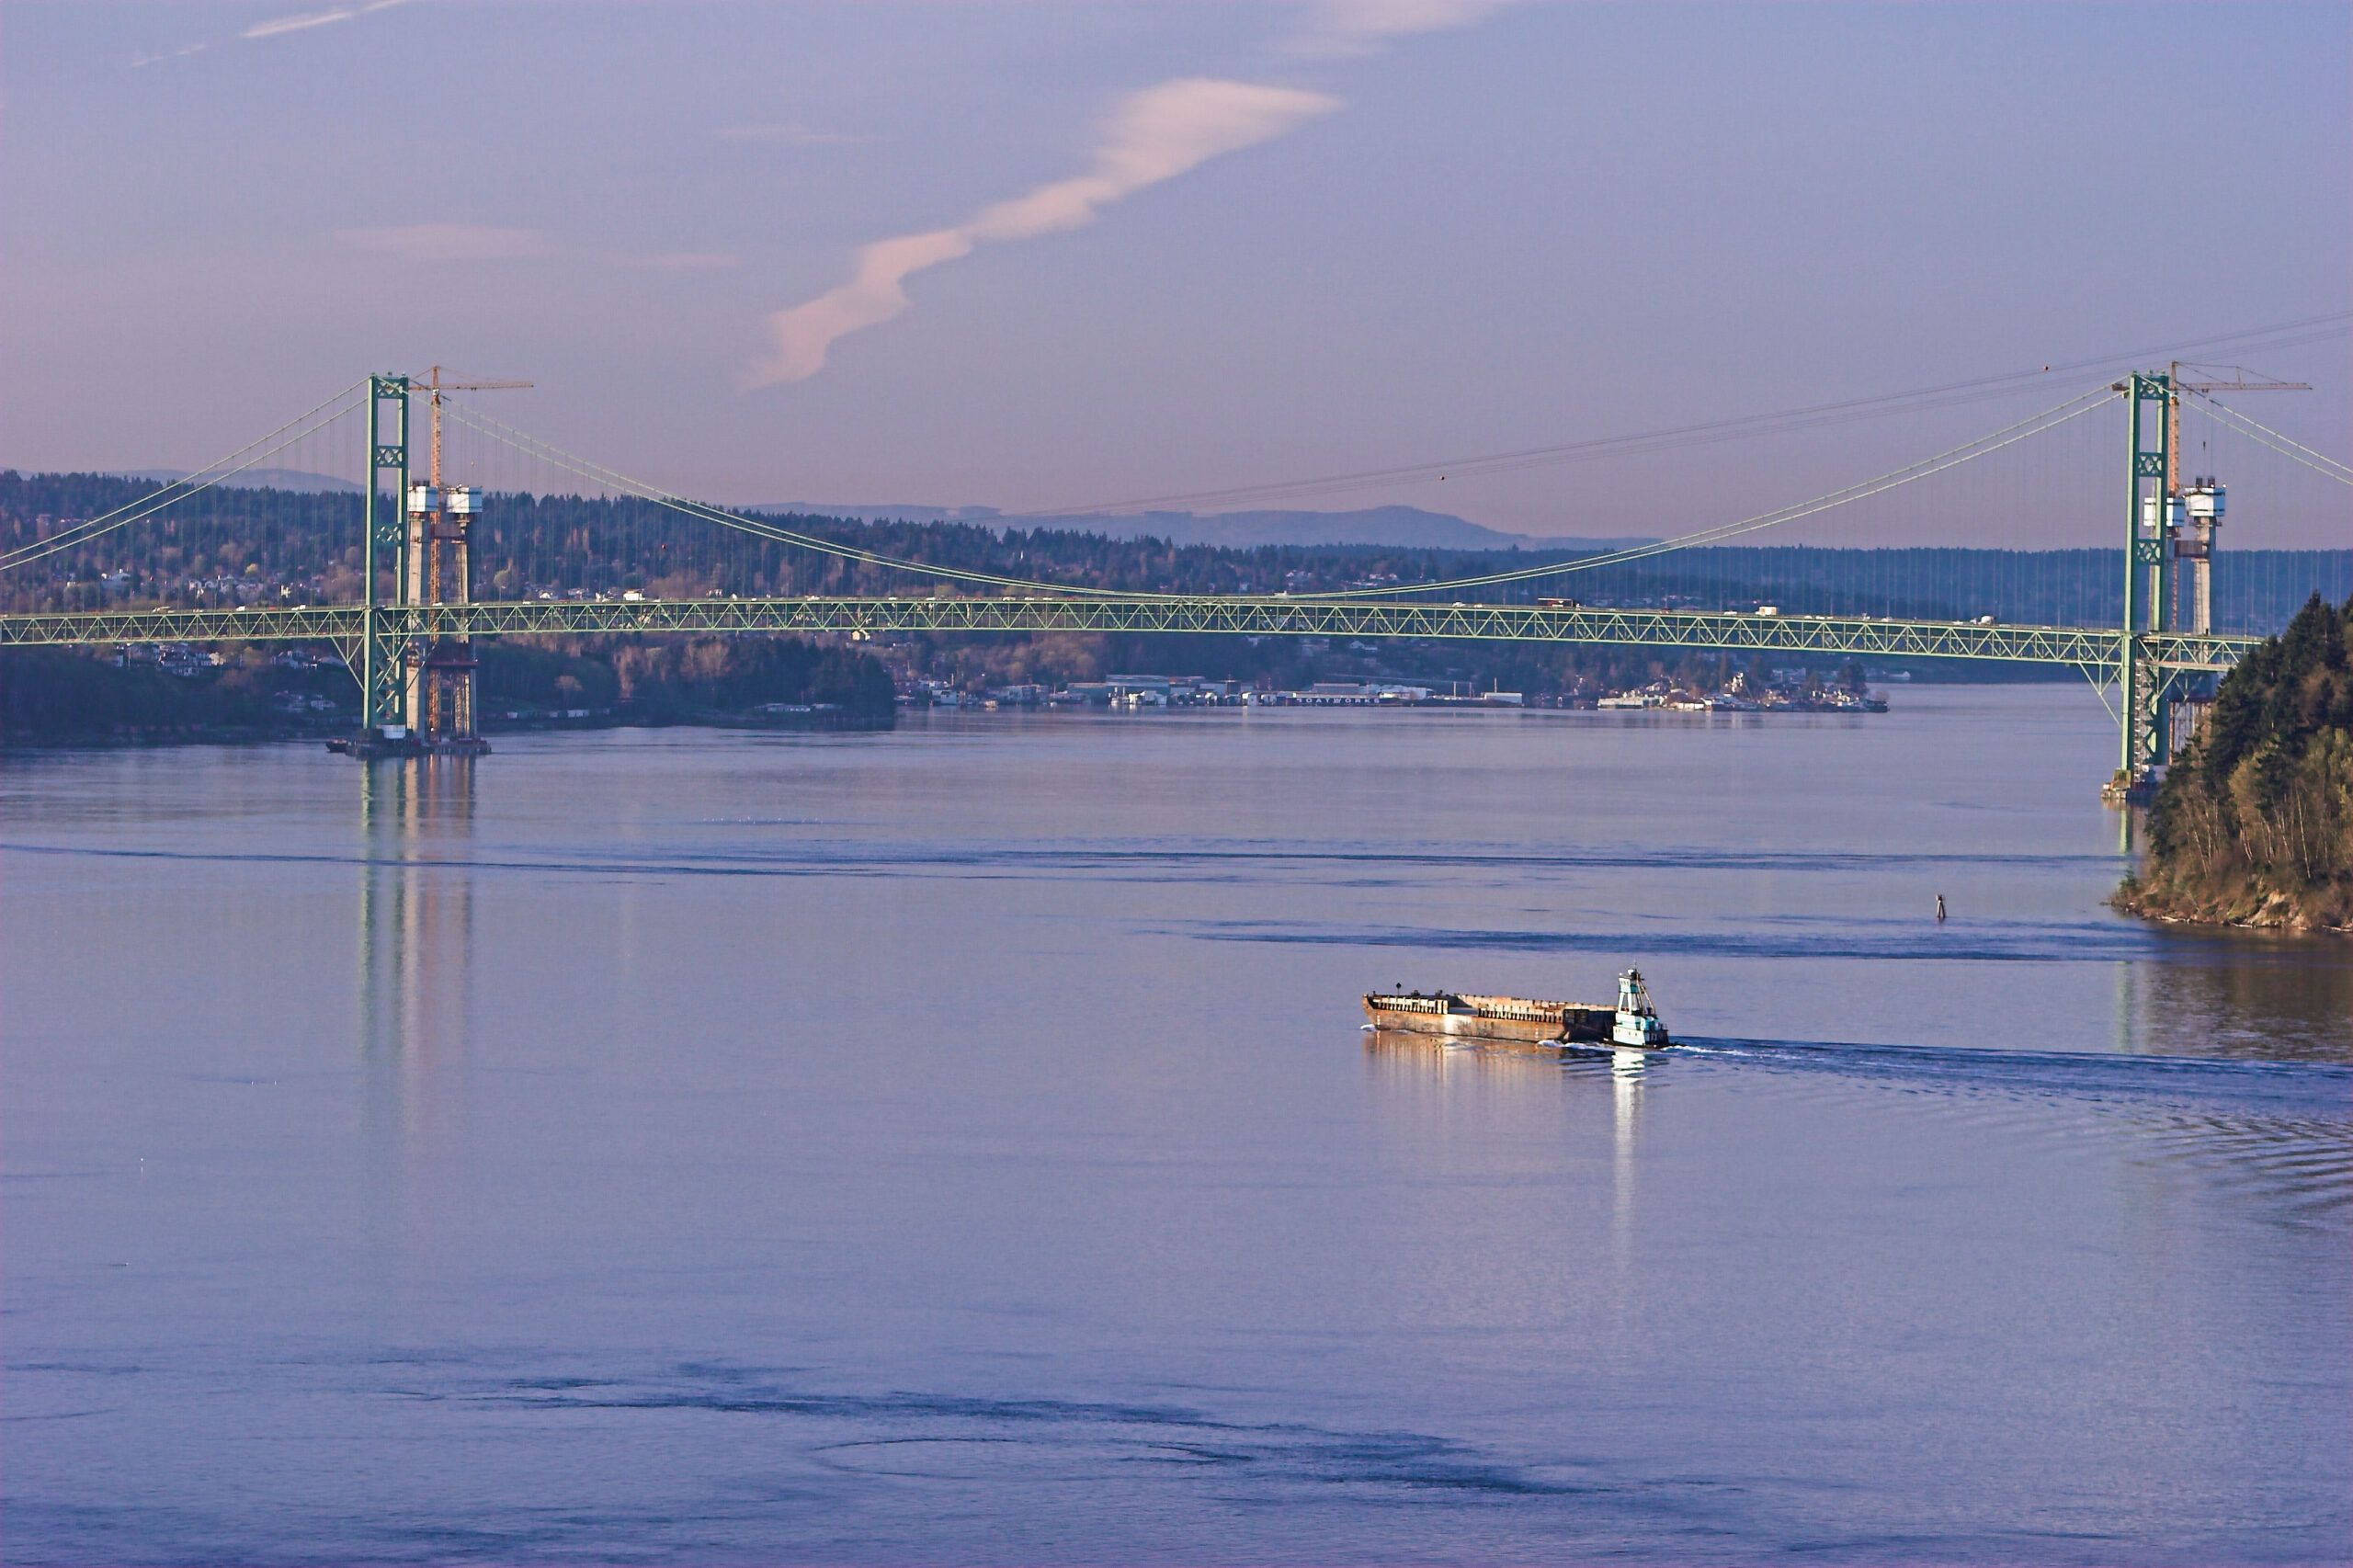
<point>436,386</point>
<point>2200,506</point>
<point>441,678</point>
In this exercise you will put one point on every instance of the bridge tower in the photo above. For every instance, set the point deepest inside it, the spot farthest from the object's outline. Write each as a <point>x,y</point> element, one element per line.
<point>438,690</point>
<point>438,569</point>
<point>2204,501</point>
<point>384,545</point>
<point>416,682</point>
<point>2151,520</point>
<point>2170,524</point>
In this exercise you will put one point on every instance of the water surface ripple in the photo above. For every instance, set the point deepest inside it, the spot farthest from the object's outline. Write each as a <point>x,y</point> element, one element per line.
<point>959,1145</point>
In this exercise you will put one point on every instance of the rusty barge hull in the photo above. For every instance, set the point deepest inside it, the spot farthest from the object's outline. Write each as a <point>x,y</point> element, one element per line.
<point>1550,1049</point>
<point>1507,1020</point>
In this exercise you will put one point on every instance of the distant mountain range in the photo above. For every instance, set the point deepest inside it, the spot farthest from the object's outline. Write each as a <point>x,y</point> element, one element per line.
<point>1409,526</point>
<point>1406,526</point>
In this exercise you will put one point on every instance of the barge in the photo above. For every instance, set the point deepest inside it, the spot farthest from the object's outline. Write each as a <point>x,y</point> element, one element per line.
<point>1632,1025</point>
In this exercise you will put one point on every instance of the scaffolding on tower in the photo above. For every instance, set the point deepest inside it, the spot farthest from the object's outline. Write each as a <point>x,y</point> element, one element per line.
<point>438,671</point>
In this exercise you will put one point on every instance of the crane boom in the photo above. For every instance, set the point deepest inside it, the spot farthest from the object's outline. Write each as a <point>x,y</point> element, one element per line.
<point>2246,386</point>
<point>436,386</point>
<point>2173,407</point>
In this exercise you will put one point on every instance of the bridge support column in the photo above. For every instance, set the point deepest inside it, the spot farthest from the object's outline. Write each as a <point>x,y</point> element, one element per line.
<point>385,545</point>
<point>2148,523</point>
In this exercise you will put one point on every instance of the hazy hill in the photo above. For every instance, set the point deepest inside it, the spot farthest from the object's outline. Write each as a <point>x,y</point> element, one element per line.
<point>304,546</point>
<point>1403,526</point>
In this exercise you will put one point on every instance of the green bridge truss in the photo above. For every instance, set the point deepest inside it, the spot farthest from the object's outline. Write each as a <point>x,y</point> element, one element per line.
<point>2154,668</point>
<point>2091,648</point>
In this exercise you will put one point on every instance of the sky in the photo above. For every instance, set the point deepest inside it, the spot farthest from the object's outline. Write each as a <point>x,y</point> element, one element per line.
<point>1097,257</point>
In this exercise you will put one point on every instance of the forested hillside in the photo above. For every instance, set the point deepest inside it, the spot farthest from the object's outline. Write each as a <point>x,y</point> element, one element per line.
<point>276,547</point>
<point>283,547</point>
<point>51,696</point>
<point>2254,825</point>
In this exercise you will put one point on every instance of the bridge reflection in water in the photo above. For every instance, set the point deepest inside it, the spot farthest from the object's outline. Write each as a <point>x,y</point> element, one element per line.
<point>1481,1114</point>
<point>414,986</point>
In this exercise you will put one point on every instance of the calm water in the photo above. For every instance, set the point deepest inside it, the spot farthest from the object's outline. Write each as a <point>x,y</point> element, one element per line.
<point>958,1144</point>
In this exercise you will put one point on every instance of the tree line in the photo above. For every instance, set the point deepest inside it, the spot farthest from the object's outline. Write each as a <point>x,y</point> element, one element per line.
<point>2254,823</point>
<point>296,547</point>
<point>65,695</point>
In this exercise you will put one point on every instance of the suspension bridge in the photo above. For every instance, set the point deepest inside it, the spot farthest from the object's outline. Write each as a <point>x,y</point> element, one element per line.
<point>407,636</point>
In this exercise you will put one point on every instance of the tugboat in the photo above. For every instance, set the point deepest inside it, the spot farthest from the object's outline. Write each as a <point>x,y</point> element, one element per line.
<point>1632,1025</point>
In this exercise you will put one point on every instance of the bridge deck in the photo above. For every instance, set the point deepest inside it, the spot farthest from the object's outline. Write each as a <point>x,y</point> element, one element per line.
<point>1861,636</point>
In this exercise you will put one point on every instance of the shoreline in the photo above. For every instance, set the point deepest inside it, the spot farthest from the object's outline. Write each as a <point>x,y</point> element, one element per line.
<point>198,735</point>
<point>2290,919</point>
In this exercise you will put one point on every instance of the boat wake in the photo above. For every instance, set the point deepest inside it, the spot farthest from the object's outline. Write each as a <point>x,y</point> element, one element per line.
<point>2283,1128</point>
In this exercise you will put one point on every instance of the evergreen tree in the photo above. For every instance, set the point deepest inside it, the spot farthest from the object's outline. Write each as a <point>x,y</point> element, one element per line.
<point>2254,824</point>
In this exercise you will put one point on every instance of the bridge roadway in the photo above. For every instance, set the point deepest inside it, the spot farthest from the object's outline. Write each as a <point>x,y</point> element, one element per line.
<point>1860,636</point>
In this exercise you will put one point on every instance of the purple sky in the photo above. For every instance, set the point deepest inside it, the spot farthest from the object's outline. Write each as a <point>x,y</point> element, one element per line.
<point>1039,257</point>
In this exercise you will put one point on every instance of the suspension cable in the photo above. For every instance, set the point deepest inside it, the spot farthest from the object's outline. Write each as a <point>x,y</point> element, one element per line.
<point>548,452</point>
<point>582,467</point>
<point>154,501</point>
<point>2049,419</point>
<point>1819,414</point>
<point>1643,444</point>
<point>2035,424</point>
<point>2319,462</point>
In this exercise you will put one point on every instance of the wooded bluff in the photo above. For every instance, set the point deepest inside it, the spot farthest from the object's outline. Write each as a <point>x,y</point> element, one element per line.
<point>2254,824</point>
